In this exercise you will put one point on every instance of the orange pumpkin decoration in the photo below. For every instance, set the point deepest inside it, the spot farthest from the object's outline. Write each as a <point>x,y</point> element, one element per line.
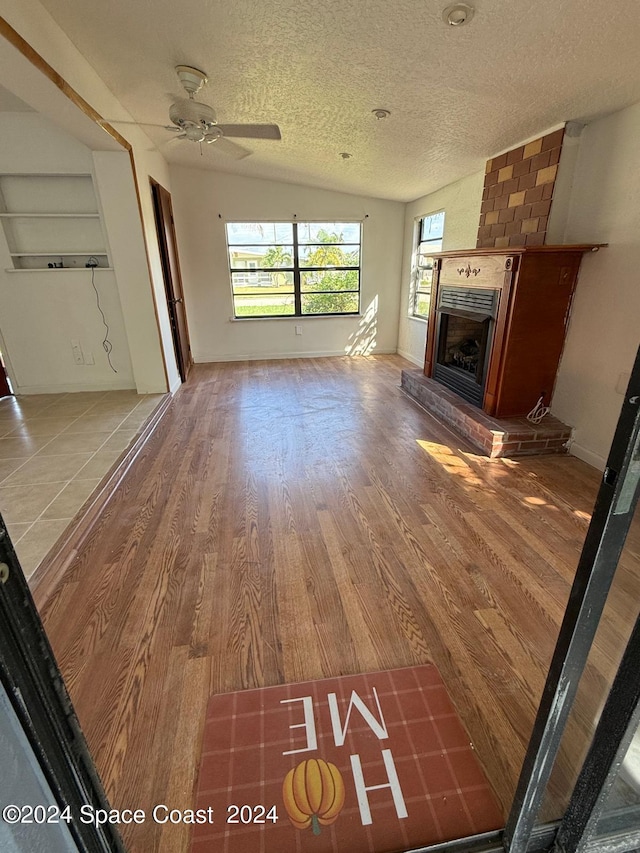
<point>313,794</point>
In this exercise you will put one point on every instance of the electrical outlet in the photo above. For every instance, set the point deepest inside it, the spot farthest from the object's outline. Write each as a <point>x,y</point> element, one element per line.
<point>88,358</point>
<point>76,349</point>
<point>298,330</point>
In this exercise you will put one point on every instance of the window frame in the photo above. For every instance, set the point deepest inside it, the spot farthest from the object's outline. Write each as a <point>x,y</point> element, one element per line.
<point>418,267</point>
<point>296,269</point>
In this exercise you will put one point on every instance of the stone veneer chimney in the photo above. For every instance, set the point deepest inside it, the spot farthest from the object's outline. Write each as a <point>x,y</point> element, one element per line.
<point>518,190</point>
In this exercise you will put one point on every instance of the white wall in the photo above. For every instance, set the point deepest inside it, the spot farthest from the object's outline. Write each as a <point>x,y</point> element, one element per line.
<point>151,164</point>
<point>37,27</point>
<point>604,330</point>
<point>200,198</point>
<point>114,181</point>
<point>41,312</point>
<point>31,143</point>
<point>461,202</point>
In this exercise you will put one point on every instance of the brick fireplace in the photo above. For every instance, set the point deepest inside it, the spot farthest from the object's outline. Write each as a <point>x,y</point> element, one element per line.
<point>499,312</point>
<point>497,325</point>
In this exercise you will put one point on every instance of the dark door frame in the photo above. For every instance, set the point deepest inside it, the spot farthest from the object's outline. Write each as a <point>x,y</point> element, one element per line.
<point>5,389</point>
<point>172,279</point>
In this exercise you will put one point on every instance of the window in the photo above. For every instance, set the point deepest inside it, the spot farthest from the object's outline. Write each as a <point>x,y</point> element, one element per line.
<point>430,231</point>
<point>294,269</point>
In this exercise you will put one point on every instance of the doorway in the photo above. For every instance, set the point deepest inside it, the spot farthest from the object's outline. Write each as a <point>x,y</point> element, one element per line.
<point>167,242</point>
<point>5,388</point>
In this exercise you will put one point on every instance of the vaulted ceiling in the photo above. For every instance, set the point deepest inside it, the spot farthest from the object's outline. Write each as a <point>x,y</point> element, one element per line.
<point>456,95</point>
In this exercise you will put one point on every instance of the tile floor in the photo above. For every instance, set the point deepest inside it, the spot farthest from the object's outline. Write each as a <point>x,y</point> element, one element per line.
<point>54,451</point>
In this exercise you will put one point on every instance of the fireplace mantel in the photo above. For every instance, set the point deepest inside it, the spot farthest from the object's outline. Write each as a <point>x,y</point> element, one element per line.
<point>530,291</point>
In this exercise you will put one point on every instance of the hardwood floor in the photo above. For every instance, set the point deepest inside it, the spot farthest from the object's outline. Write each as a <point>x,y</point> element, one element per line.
<point>292,520</point>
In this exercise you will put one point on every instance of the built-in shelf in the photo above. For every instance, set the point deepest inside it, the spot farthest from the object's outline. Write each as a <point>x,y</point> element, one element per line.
<point>46,218</point>
<point>60,269</point>
<point>84,253</point>
<point>49,216</point>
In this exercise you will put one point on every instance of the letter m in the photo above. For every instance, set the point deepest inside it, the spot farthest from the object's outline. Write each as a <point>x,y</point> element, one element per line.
<point>377,726</point>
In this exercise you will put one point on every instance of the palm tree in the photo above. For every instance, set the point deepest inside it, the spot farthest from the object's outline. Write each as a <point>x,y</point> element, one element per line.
<point>277,256</point>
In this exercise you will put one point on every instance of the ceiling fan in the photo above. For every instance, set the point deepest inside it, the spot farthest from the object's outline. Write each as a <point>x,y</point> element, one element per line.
<point>196,122</point>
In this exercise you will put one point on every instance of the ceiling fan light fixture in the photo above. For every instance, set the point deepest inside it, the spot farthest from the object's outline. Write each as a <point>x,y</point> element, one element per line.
<point>194,132</point>
<point>213,135</point>
<point>458,14</point>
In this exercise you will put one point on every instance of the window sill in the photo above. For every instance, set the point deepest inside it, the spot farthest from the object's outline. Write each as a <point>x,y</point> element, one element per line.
<point>418,319</point>
<point>297,318</point>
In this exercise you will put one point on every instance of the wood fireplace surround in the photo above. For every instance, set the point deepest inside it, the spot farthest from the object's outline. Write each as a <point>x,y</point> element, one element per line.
<point>513,306</point>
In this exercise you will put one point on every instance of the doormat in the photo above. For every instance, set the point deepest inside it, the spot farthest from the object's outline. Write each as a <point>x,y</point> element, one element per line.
<point>374,763</point>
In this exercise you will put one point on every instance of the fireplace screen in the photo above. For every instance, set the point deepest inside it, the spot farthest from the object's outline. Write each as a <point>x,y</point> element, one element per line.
<point>464,330</point>
<point>464,344</point>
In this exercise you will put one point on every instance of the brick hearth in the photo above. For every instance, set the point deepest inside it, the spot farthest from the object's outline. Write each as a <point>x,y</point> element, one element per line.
<point>510,437</point>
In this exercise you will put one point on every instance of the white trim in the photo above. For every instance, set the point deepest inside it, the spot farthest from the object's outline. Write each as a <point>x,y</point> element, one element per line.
<point>69,388</point>
<point>410,358</point>
<point>297,317</point>
<point>588,456</point>
<point>177,383</point>
<point>208,358</point>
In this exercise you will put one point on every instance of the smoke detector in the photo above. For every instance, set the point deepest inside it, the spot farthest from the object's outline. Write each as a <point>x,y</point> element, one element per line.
<point>458,14</point>
<point>380,113</point>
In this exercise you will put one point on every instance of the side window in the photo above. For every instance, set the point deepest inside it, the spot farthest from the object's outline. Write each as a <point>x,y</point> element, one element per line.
<point>429,240</point>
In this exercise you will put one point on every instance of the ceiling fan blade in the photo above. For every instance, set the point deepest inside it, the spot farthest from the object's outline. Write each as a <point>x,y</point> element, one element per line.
<point>230,149</point>
<point>251,131</point>
<point>140,124</point>
<point>148,124</point>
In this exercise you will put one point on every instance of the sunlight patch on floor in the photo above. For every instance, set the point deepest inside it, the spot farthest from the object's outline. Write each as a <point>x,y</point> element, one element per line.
<point>450,461</point>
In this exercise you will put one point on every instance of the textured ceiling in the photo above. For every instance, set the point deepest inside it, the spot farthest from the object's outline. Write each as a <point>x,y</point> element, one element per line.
<point>456,95</point>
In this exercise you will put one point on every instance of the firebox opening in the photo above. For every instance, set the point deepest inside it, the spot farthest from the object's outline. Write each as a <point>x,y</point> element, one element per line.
<point>463,344</point>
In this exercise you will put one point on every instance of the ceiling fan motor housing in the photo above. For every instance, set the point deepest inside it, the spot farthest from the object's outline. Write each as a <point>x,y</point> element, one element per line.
<point>192,79</point>
<point>185,111</point>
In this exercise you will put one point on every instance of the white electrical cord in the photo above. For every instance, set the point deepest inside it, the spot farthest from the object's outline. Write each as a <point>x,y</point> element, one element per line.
<point>538,412</point>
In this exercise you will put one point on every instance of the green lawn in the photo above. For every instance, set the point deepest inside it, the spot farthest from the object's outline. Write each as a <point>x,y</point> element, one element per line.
<point>263,310</point>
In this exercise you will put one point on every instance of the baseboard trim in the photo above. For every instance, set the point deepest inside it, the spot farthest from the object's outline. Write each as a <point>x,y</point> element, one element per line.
<point>587,456</point>
<point>209,358</point>
<point>44,581</point>
<point>69,388</point>
<point>411,358</point>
